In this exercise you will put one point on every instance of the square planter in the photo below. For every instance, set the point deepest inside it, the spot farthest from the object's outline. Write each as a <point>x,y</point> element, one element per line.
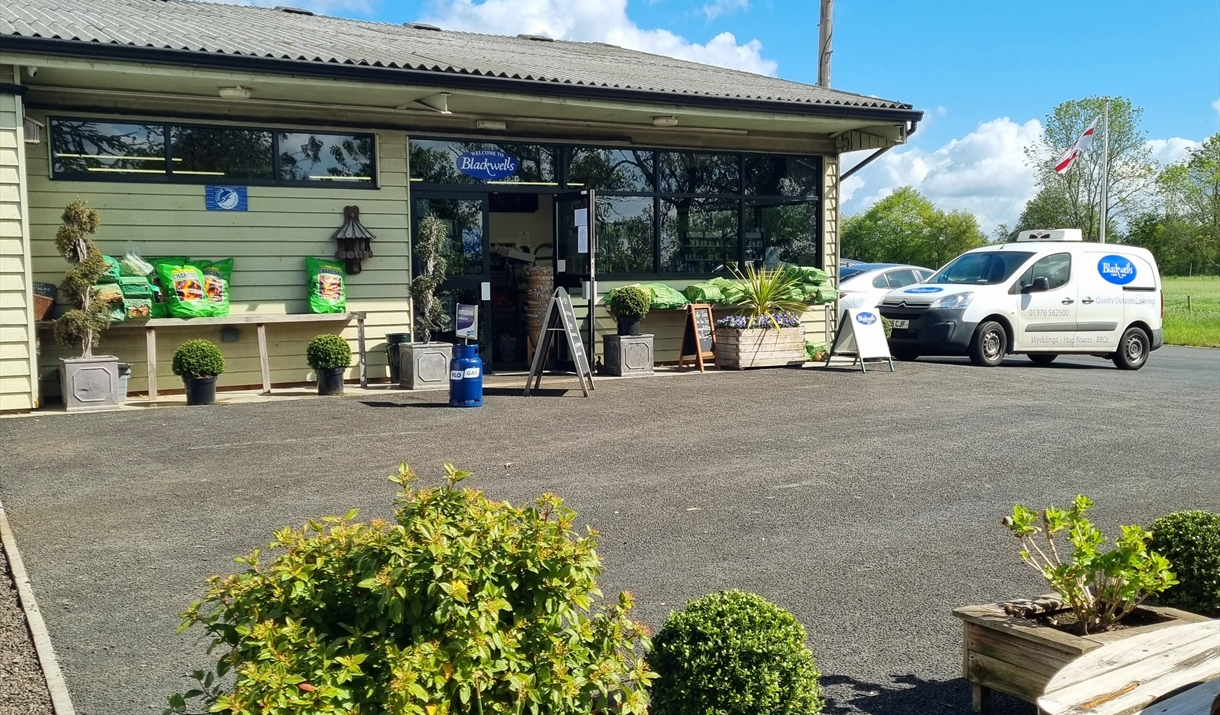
<point>740,349</point>
<point>424,366</point>
<point>1019,656</point>
<point>628,355</point>
<point>89,383</point>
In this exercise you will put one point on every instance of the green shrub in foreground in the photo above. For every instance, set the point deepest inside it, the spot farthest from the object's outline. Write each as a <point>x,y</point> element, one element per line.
<point>1191,542</point>
<point>328,352</point>
<point>198,358</point>
<point>733,653</point>
<point>461,605</point>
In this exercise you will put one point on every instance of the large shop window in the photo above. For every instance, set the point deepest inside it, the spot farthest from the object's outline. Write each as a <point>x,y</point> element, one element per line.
<point>97,150</point>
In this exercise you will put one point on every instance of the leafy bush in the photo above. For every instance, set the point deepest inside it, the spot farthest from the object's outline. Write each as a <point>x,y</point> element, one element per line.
<point>198,358</point>
<point>764,322</point>
<point>887,326</point>
<point>733,653</point>
<point>629,301</point>
<point>1191,542</point>
<point>1101,587</point>
<point>462,605</point>
<point>328,352</point>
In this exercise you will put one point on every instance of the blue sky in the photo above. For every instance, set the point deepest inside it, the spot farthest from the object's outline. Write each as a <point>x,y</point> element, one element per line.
<point>986,73</point>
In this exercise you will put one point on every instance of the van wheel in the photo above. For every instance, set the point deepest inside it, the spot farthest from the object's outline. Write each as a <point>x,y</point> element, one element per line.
<point>989,345</point>
<point>904,354</point>
<point>1043,358</point>
<point>1132,350</point>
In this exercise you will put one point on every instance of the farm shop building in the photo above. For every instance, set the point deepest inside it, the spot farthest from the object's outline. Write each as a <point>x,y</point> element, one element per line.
<point>214,131</point>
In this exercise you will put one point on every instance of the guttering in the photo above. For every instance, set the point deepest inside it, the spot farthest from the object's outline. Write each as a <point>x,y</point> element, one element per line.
<point>452,80</point>
<point>869,159</point>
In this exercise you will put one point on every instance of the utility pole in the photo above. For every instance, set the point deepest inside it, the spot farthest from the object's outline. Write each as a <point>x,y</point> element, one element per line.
<point>826,30</point>
<point>1105,174</point>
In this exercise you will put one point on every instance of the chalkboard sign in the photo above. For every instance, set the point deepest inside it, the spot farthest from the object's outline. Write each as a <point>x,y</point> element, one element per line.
<point>700,336</point>
<point>560,318</point>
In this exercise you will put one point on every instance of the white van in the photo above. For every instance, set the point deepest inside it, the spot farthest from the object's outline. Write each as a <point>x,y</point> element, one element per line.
<point>1047,293</point>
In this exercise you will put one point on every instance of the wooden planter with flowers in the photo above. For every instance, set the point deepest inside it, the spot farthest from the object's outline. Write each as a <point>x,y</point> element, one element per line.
<point>741,348</point>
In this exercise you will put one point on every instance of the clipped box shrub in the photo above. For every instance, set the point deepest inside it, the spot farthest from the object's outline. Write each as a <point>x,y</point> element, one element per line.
<point>733,653</point>
<point>1191,542</point>
<point>328,352</point>
<point>198,358</point>
<point>460,605</point>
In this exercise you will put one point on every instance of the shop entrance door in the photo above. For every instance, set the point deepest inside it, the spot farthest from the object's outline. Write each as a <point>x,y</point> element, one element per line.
<point>575,254</point>
<point>466,252</point>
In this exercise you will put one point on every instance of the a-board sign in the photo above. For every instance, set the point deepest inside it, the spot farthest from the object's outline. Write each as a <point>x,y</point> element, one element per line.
<point>560,318</point>
<point>467,323</point>
<point>862,337</point>
<point>699,338</point>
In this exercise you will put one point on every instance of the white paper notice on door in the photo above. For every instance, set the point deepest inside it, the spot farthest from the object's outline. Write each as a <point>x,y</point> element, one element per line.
<point>582,239</point>
<point>582,217</point>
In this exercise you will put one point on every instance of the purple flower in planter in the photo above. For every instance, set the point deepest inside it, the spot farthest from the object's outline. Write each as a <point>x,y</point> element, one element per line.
<point>745,322</point>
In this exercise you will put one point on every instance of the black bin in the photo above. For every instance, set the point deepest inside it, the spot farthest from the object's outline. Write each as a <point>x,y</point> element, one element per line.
<point>392,341</point>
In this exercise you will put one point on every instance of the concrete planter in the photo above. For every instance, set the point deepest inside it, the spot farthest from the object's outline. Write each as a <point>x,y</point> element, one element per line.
<point>89,383</point>
<point>1019,656</point>
<point>628,355</point>
<point>740,349</point>
<point>424,366</point>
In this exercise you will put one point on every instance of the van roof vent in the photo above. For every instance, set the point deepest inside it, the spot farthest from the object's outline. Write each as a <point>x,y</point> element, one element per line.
<point>292,10</point>
<point>1050,234</point>
<point>421,26</point>
<point>536,38</point>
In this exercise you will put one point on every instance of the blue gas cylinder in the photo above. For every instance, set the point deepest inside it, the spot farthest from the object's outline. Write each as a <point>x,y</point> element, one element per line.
<point>466,377</point>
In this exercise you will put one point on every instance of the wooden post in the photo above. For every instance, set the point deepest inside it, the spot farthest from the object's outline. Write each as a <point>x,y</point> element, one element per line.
<point>263,362</point>
<point>980,697</point>
<point>1189,308</point>
<point>150,347</point>
<point>364,374</point>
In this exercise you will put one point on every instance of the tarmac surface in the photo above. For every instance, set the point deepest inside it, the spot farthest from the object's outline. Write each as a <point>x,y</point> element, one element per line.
<point>868,504</point>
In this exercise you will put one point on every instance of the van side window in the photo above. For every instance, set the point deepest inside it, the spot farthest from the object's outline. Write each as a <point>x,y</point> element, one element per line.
<point>1055,268</point>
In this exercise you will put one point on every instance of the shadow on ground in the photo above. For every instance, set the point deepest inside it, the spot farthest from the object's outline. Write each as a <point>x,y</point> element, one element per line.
<point>909,695</point>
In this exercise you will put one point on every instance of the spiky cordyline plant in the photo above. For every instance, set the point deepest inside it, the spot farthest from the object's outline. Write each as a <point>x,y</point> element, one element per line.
<point>84,324</point>
<point>768,292</point>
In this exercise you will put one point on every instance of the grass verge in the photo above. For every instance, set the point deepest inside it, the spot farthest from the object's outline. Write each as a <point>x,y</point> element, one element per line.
<point>1200,324</point>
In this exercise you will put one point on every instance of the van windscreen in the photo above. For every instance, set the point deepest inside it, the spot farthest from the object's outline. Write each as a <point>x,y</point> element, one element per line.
<point>986,268</point>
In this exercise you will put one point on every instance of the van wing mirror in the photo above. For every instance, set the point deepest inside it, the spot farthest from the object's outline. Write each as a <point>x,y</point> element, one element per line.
<point>1041,284</point>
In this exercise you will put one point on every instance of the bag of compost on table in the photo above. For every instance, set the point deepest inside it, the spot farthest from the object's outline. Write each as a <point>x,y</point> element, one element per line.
<point>703,293</point>
<point>216,284</point>
<point>135,287</point>
<point>665,297</point>
<point>327,293</point>
<point>113,272</point>
<point>160,308</point>
<point>137,308</point>
<point>112,295</point>
<point>183,286</point>
<point>730,290</point>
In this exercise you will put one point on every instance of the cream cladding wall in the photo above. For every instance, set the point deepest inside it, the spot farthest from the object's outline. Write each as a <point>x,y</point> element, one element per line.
<point>268,243</point>
<point>17,354</point>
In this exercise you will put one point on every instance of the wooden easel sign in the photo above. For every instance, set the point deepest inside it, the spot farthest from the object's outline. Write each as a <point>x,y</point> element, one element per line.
<point>861,336</point>
<point>700,336</point>
<point>560,318</point>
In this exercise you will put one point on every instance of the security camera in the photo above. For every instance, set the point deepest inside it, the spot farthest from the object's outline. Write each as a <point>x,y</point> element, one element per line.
<point>31,71</point>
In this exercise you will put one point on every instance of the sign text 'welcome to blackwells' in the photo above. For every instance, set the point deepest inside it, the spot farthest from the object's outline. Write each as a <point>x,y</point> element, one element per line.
<point>486,164</point>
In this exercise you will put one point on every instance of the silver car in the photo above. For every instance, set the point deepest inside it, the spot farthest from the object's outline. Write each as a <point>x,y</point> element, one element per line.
<point>862,285</point>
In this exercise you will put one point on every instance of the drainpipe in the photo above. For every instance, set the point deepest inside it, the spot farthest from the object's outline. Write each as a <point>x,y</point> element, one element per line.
<point>912,126</point>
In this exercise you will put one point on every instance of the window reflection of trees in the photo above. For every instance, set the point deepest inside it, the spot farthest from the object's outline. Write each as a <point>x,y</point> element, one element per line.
<point>613,170</point>
<point>624,234</point>
<point>698,235</point>
<point>305,157</point>
<point>789,228</point>
<point>463,244</point>
<point>691,173</point>
<point>108,147</point>
<point>235,153</point>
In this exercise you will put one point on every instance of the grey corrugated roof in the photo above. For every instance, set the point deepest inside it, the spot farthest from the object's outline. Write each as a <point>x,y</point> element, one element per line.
<point>253,32</point>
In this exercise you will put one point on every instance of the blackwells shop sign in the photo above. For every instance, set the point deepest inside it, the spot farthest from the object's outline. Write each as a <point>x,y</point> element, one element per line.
<point>486,164</point>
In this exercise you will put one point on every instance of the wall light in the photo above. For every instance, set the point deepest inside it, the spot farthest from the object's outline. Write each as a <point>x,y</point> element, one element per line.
<point>237,92</point>
<point>491,124</point>
<point>668,120</point>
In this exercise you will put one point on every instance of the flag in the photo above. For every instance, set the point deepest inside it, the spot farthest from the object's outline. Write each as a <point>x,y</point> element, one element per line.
<point>1066,161</point>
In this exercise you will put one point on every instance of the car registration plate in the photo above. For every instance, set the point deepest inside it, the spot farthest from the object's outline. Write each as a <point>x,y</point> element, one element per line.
<point>900,324</point>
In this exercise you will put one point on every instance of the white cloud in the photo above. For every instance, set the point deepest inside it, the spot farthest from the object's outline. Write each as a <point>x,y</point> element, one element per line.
<point>1216,105</point>
<point>1170,151</point>
<point>600,21</point>
<point>715,9</point>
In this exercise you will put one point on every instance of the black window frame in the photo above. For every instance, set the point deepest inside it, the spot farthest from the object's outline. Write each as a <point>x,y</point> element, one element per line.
<point>194,180</point>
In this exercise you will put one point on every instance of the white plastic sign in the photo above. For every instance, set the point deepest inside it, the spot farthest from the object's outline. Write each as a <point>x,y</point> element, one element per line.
<point>582,239</point>
<point>582,217</point>
<point>862,336</point>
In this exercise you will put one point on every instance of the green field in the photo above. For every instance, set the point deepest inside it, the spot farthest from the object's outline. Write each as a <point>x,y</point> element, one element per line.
<point>1199,326</point>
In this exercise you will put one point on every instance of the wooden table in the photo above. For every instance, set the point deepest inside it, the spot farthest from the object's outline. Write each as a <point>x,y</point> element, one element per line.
<point>1131,675</point>
<point>259,321</point>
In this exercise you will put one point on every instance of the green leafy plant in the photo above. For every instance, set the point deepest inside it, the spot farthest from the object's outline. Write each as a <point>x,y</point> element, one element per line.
<point>629,301</point>
<point>328,352</point>
<point>429,313</point>
<point>198,358</point>
<point>460,605</point>
<point>83,325</point>
<point>733,653</point>
<point>887,326</point>
<point>1102,587</point>
<point>765,293</point>
<point>1191,542</point>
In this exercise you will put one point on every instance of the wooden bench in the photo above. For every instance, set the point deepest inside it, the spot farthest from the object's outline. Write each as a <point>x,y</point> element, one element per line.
<point>259,321</point>
<point>1172,671</point>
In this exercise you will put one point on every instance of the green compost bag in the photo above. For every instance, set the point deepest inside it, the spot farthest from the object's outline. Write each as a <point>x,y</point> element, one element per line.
<point>703,293</point>
<point>327,293</point>
<point>216,276</point>
<point>137,308</point>
<point>135,287</point>
<point>665,297</point>
<point>113,272</point>
<point>827,294</point>
<point>183,286</point>
<point>731,291</point>
<point>112,295</point>
<point>160,308</point>
<point>814,276</point>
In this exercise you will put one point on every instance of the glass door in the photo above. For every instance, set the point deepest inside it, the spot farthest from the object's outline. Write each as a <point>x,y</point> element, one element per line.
<point>575,255</point>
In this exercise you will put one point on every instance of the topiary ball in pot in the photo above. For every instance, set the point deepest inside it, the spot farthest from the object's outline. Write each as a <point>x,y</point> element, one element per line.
<point>1191,542</point>
<point>329,356</point>
<point>733,653</point>
<point>198,362</point>
<point>629,304</point>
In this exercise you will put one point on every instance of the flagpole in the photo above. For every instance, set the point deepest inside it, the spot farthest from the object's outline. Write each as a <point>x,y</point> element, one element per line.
<point>1105,173</point>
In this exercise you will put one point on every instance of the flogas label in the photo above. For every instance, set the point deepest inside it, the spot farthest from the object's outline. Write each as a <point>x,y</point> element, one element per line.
<point>1118,270</point>
<point>923,289</point>
<point>866,318</point>
<point>455,375</point>
<point>486,164</point>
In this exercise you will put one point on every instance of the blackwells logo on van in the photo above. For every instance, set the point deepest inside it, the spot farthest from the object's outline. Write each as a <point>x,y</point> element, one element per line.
<point>923,289</point>
<point>866,318</point>
<point>486,164</point>
<point>1118,270</point>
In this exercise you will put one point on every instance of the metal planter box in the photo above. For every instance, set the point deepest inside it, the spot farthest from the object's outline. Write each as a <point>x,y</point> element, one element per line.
<point>628,355</point>
<point>424,366</point>
<point>89,383</point>
<point>740,349</point>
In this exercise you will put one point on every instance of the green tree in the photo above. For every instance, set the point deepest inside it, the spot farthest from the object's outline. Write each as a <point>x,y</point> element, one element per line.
<point>1184,230</point>
<point>1073,199</point>
<point>905,227</point>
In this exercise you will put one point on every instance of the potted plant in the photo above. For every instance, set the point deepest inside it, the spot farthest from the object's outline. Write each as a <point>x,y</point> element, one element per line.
<point>628,353</point>
<point>767,331</point>
<point>425,364</point>
<point>329,356</point>
<point>198,363</point>
<point>88,382</point>
<point>628,304</point>
<point>1017,647</point>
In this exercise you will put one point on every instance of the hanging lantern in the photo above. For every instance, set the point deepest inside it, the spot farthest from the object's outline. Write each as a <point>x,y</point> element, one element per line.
<point>353,240</point>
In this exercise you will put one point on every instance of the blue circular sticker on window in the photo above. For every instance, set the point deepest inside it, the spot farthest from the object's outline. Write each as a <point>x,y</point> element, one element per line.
<point>486,164</point>
<point>1116,269</point>
<point>866,318</point>
<point>923,289</point>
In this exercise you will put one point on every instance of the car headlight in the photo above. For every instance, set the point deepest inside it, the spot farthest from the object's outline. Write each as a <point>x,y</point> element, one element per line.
<point>957,300</point>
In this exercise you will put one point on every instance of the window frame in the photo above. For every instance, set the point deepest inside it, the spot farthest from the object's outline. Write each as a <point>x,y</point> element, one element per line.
<point>169,177</point>
<point>1018,288</point>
